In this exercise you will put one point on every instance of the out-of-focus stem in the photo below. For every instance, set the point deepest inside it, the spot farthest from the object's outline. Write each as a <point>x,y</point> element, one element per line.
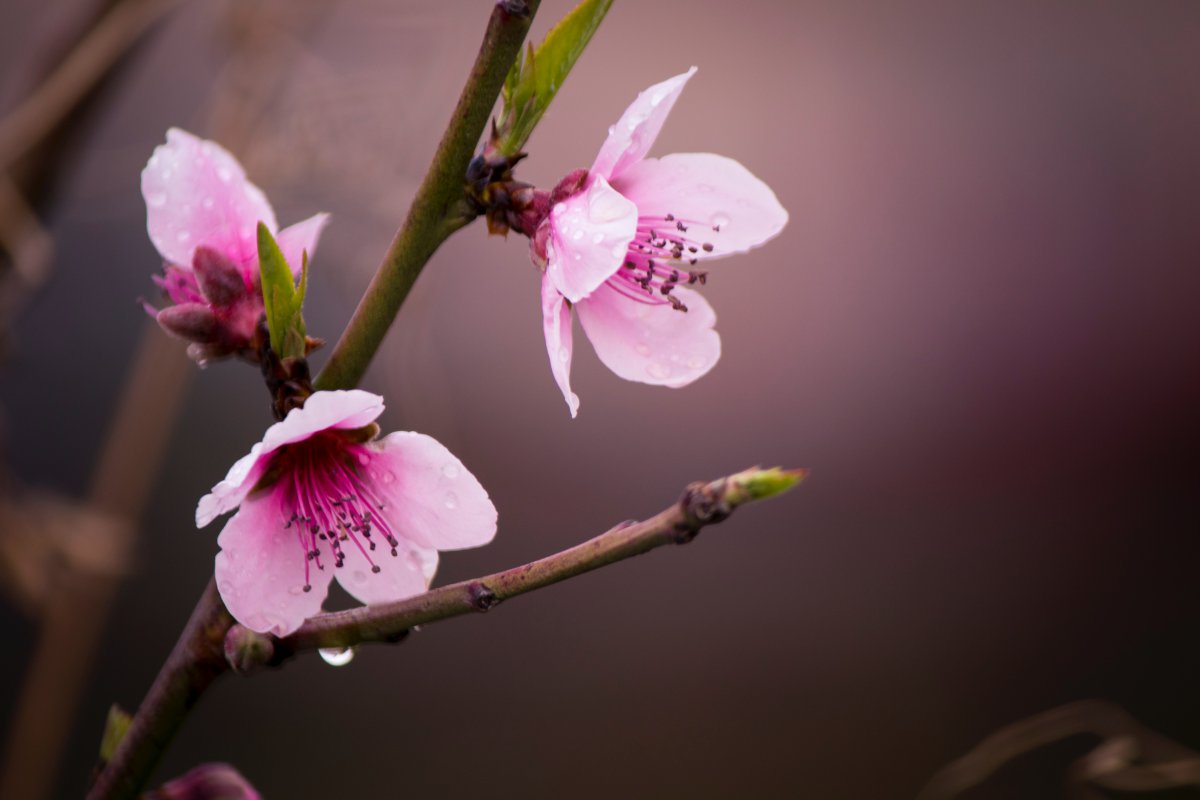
<point>702,504</point>
<point>438,209</point>
<point>74,616</point>
<point>74,77</point>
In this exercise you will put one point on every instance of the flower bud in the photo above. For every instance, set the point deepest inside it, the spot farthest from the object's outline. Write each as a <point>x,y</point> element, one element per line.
<point>192,321</point>
<point>218,276</point>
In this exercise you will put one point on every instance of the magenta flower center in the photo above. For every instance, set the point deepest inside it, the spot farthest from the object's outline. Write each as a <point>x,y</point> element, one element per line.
<point>325,498</point>
<point>660,258</point>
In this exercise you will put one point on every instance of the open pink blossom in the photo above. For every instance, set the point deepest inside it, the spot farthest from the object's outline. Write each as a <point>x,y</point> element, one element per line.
<point>202,214</point>
<point>622,246</point>
<point>318,497</point>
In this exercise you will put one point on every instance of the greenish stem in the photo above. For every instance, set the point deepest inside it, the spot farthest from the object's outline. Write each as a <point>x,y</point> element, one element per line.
<point>438,209</point>
<point>702,504</point>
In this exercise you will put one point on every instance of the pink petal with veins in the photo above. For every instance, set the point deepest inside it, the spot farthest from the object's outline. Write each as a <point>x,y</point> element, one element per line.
<point>295,240</point>
<point>197,193</point>
<point>589,235</point>
<point>651,343</point>
<point>720,202</point>
<point>632,137</point>
<point>431,499</point>
<point>260,569</point>
<point>556,324</point>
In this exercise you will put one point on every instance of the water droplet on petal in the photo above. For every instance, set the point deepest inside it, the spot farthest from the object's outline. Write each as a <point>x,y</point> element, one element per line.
<point>451,500</point>
<point>451,471</point>
<point>558,210</point>
<point>359,576</point>
<point>183,236</point>
<point>156,199</point>
<point>579,257</point>
<point>208,202</point>
<point>364,459</point>
<point>389,476</point>
<point>225,174</point>
<point>226,589</point>
<point>642,349</point>
<point>696,362</point>
<point>577,235</point>
<point>336,656</point>
<point>597,238</point>
<point>657,370</point>
<point>618,250</point>
<point>563,354</point>
<point>295,591</point>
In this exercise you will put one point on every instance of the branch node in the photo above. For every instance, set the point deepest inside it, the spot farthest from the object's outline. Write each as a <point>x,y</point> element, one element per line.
<point>515,8</point>
<point>702,504</point>
<point>481,598</point>
<point>246,650</point>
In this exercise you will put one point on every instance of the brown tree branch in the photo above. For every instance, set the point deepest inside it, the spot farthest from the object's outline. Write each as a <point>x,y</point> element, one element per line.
<point>702,504</point>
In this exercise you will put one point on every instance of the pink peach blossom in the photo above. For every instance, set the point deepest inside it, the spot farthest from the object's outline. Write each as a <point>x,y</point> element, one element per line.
<point>620,250</point>
<point>319,498</point>
<point>202,214</point>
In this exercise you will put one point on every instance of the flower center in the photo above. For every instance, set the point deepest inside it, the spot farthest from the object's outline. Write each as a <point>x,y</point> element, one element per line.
<point>325,498</point>
<point>660,258</point>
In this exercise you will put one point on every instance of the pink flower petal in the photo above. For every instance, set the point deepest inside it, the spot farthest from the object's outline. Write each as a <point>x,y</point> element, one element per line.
<point>706,192</point>
<point>405,574</point>
<point>197,193</point>
<point>260,569</point>
<point>651,343</point>
<point>229,493</point>
<point>556,323</point>
<point>302,237</point>
<point>341,409</point>
<point>589,235</point>
<point>632,137</point>
<point>429,497</point>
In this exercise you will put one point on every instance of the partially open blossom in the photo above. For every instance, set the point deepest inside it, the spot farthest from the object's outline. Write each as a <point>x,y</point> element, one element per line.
<point>622,244</point>
<point>320,498</point>
<point>202,215</point>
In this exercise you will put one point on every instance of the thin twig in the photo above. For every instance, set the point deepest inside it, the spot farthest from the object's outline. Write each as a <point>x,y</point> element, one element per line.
<point>438,209</point>
<point>31,121</point>
<point>1175,764</point>
<point>702,504</point>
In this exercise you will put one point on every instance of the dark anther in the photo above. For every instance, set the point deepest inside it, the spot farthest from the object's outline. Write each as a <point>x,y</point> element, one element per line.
<point>669,217</point>
<point>708,248</point>
<point>482,598</point>
<point>676,303</point>
<point>308,587</point>
<point>681,226</point>
<point>375,568</point>
<point>717,228</point>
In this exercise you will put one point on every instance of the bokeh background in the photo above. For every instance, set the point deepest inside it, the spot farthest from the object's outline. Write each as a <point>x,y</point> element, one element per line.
<point>979,330</point>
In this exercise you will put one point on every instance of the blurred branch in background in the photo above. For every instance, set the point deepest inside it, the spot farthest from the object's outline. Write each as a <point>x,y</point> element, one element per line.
<point>62,560</point>
<point>1130,757</point>
<point>34,137</point>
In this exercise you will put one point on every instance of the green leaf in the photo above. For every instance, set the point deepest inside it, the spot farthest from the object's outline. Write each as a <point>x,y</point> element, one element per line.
<point>115,728</point>
<point>534,80</point>
<point>281,299</point>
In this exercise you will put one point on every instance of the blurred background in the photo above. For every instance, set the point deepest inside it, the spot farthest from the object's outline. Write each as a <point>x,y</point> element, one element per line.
<point>979,330</point>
